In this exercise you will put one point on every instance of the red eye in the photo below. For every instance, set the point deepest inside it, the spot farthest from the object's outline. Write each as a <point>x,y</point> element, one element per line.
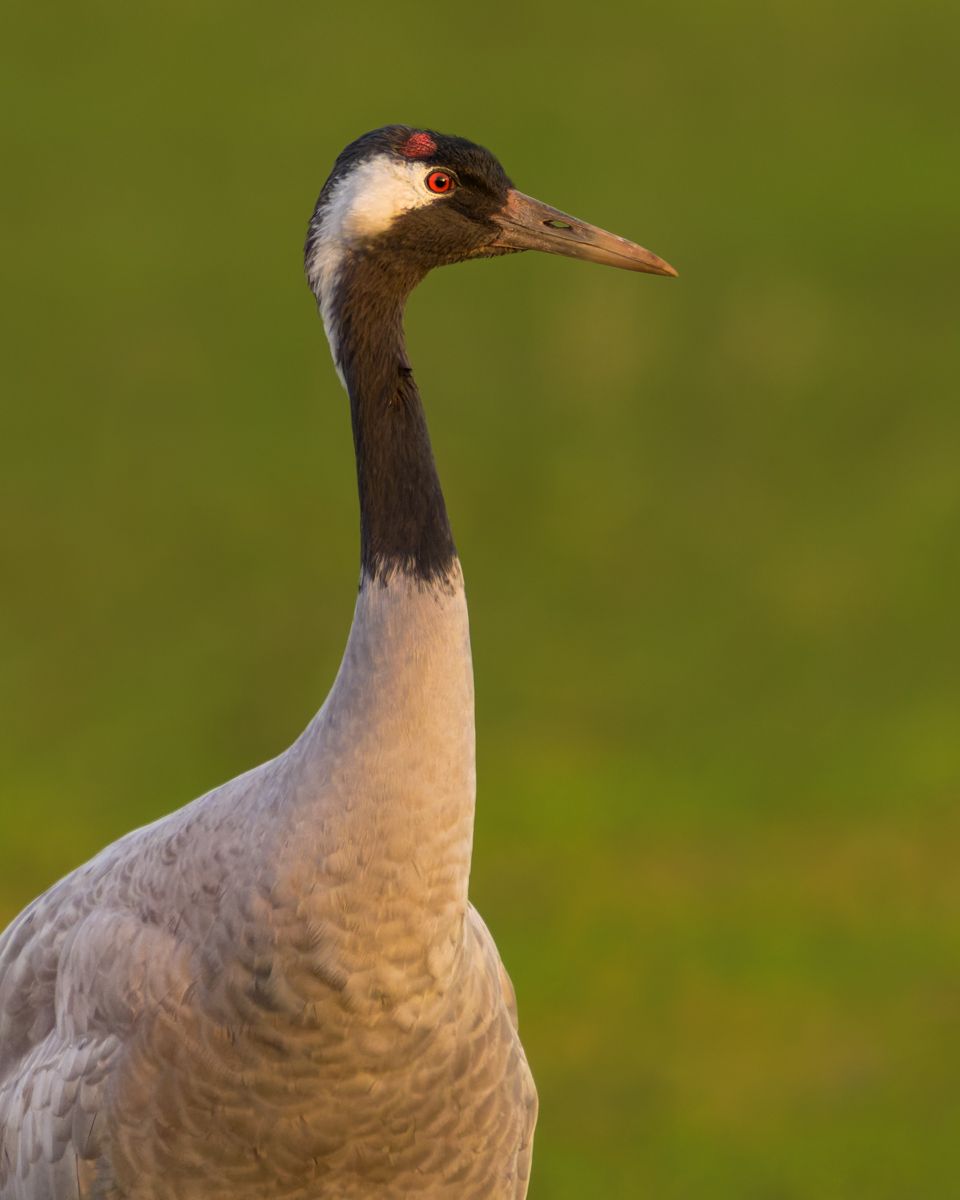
<point>440,182</point>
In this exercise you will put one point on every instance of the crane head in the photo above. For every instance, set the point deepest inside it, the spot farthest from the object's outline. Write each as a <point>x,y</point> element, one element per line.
<point>415,199</point>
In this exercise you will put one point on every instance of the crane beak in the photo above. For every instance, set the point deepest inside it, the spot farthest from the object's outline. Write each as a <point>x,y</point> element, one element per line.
<point>528,224</point>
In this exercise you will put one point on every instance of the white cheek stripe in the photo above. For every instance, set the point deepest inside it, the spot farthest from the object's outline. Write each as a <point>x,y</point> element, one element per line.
<point>364,203</point>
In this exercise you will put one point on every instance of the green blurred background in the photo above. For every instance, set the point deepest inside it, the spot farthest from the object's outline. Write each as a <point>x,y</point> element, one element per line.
<point>710,527</point>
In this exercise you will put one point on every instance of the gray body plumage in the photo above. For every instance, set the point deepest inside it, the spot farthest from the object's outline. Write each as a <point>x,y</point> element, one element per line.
<point>281,990</point>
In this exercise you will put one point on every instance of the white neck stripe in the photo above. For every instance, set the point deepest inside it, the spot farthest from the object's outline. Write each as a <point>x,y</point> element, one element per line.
<point>361,205</point>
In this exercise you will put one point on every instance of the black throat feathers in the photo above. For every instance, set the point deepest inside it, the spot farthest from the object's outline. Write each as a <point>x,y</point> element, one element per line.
<point>403,519</point>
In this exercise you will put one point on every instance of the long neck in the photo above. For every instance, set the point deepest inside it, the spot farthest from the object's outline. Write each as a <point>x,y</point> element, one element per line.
<point>388,762</point>
<point>403,519</point>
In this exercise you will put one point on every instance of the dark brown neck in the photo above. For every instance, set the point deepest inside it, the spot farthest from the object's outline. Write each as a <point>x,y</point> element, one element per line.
<point>403,519</point>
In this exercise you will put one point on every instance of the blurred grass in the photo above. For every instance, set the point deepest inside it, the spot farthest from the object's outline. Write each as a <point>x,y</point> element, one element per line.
<point>710,528</point>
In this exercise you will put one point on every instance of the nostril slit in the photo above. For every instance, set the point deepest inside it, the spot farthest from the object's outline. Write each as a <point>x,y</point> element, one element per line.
<point>555,224</point>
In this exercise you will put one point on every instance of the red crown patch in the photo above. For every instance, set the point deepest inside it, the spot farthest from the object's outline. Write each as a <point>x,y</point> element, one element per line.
<point>418,145</point>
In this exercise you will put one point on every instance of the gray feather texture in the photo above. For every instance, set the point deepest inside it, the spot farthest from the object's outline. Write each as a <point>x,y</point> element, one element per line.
<point>281,990</point>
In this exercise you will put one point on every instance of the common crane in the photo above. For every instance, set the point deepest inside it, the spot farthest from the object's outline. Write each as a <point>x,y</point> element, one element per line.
<point>282,990</point>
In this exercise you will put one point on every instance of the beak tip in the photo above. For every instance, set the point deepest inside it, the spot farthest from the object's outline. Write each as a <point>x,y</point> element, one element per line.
<point>660,266</point>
